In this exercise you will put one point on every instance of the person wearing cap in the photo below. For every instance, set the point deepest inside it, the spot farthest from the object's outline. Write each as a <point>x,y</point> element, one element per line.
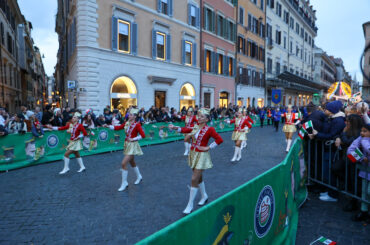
<point>77,132</point>
<point>190,120</point>
<point>291,120</point>
<point>199,158</point>
<point>134,133</point>
<point>241,126</point>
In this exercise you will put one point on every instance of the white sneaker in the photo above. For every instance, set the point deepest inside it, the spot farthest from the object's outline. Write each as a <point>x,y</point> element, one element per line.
<point>123,186</point>
<point>328,198</point>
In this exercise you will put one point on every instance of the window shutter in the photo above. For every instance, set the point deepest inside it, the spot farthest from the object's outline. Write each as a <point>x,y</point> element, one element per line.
<point>154,44</point>
<point>215,64</point>
<point>159,5</point>
<point>194,56</point>
<point>205,60</point>
<point>249,22</point>
<point>114,33</point>
<point>189,14</point>
<point>225,27</point>
<point>205,18</point>
<point>183,51</point>
<point>213,60</point>
<point>197,15</point>
<point>134,39</point>
<point>234,67</point>
<point>226,66</point>
<point>243,40</point>
<point>213,22</point>
<point>170,7</point>
<point>168,47</point>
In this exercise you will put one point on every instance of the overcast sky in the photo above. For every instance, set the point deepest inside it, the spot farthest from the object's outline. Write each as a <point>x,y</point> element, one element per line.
<point>339,21</point>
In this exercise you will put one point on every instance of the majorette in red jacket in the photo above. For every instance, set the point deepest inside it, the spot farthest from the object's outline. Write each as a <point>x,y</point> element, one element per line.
<point>203,137</point>
<point>244,122</point>
<point>76,130</point>
<point>290,121</point>
<point>132,130</point>
<point>189,121</point>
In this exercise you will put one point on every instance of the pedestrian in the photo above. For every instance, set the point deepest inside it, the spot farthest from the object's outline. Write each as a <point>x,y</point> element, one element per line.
<point>289,127</point>
<point>262,114</point>
<point>276,118</point>
<point>199,157</point>
<point>190,120</point>
<point>134,133</point>
<point>241,125</point>
<point>77,132</point>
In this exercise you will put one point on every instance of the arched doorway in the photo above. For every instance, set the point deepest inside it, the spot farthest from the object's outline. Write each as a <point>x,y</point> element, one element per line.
<point>123,94</point>
<point>260,102</point>
<point>187,96</point>
<point>224,99</point>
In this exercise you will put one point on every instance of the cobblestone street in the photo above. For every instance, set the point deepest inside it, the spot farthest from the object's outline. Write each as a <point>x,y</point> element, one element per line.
<point>41,207</point>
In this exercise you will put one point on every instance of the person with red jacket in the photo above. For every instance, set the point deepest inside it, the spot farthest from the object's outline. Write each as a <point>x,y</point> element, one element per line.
<point>241,126</point>
<point>250,120</point>
<point>134,133</point>
<point>199,157</point>
<point>77,132</point>
<point>190,120</point>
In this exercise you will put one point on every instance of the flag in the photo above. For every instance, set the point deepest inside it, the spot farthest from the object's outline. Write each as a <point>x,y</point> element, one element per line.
<point>276,96</point>
<point>301,133</point>
<point>308,125</point>
<point>355,156</point>
<point>323,240</point>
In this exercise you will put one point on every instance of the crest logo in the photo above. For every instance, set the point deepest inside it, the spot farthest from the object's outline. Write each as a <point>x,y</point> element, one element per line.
<point>103,135</point>
<point>52,141</point>
<point>264,212</point>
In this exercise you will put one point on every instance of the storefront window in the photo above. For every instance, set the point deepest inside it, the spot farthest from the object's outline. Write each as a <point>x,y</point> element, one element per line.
<point>187,96</point>
<point>123,94</point>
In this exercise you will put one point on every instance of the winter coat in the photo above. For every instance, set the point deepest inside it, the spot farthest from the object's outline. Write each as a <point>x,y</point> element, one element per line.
<point>333,128</point>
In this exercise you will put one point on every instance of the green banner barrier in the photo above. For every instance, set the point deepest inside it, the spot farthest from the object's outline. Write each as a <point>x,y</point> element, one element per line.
<point>262,211</point>
<point>17,151</point>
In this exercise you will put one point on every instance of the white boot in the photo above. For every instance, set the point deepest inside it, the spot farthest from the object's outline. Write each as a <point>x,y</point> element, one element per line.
<point>204,198</point>
<point>66,166</point>
<point>189,207</point>
<point>138,175</point>
<point>124,180</point>
<point>82,166</point>
<point>244,144</point>
<point>239,155</point>
<point>289,142</point>
<point>235,154</point>
<point>186,148</point>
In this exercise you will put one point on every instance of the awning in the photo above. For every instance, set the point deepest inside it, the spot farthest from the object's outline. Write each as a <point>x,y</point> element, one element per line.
<point>158,79</point>
<point>290,77</point>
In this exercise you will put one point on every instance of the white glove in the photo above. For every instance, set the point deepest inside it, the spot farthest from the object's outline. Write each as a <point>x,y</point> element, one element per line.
<point>55,128</point>
<point>213,145</point>
<point>111,127</point>
<point>137,138</point>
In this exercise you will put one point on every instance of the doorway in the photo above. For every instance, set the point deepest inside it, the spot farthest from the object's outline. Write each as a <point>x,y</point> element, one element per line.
<point>160,99</point>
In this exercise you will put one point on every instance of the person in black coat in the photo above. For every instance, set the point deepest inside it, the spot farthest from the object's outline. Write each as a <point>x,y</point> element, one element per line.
<point>48,116</point>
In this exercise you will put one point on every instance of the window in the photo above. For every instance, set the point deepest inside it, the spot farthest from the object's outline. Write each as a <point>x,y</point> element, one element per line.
<point>123,36</point>
<point>285,68</point>
<point>193,15</point>
<point>291,23</point>
<point>161,46</point>
<point>277,68</point>
<point>278,37</point>
<point>284,42</point>
<point>269,65</point>
<point>297,28</point>
<point>2,33</point>
<point>208,60</point>
<point>220,26</point>
<point>309,40</point>
<point>262,6</point>
<point>220,64</point>
<point>241,45</point>
<point>302,32</point>
<point>286,17</point>
<point>188,53</point>
<point>231,68</point>
<point>305,36</point>
<point>291,47</point>
<point>164,6</point>
<point>270,3</point>
<point>241,16</point>
<point>278,9</point>
<point>296,51</point>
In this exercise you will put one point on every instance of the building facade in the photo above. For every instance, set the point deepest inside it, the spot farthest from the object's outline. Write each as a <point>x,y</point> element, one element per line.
<point>122,53</point>
<point>366,62</point>
<point>218,61</point>
<point>290,34</point>
<point>324,69</point>
<point>250,82</point>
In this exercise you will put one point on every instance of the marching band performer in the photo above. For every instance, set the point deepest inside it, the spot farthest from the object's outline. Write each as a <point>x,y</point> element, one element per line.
<point>241,126</point>
<point>291,120</point>
<point>134,133</point>
<point>199,156</point>
<point>75,145</point>
<point>249,119</point>
<point>190,119</point>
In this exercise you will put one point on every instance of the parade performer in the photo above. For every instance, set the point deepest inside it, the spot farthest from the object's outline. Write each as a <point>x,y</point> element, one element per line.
<point>291,120</point>
<point>190,119</point>
<point>75,145</point>
<point>199,156</point>
<point>276,116</point>
<point>248,118</point>
<point>134,133</point>
<point>241,127</point>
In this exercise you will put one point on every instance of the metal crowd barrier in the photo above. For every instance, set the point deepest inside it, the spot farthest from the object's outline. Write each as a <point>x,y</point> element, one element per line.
<point>321,154</point>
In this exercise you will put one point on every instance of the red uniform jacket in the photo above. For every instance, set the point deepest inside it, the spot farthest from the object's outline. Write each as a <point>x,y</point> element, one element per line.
<point>132,131</point>
<point>76,130</point>
<point>189,121</point>
<point>203,137</point>
<point>291,120</point>
<point>245,121</point>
